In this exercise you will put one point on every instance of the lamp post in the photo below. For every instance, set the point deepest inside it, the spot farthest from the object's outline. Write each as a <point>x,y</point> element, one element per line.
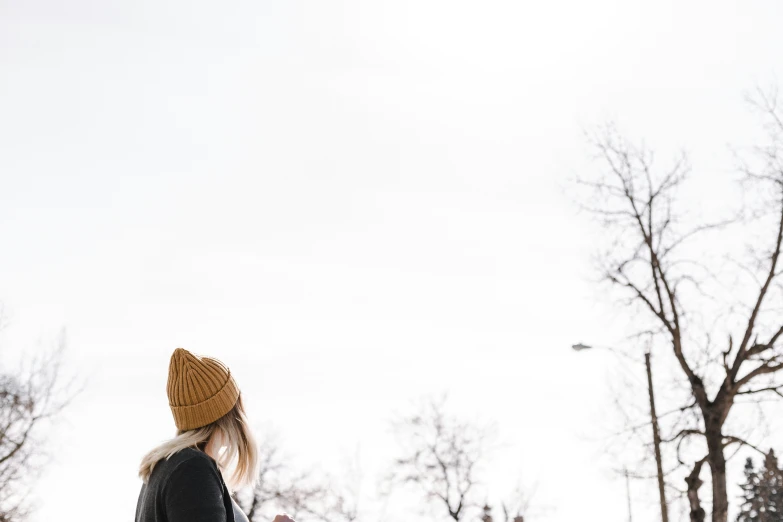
<point>656,433</point>
<point>628,492</point>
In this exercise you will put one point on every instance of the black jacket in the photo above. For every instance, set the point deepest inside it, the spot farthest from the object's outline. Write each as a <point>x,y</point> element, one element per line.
<point>187,487</point>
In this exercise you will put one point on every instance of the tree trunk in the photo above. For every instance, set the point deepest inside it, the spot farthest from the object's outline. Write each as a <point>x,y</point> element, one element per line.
<point>694,483</point>
<point>717,461</point>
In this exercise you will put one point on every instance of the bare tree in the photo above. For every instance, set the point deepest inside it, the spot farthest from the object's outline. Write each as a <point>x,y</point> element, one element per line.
<point>442,457</point>
<point>305,495</point>
<point>318,499</point>
<point>661,260</point>
<point>30,397</point>
<point>516,507</point>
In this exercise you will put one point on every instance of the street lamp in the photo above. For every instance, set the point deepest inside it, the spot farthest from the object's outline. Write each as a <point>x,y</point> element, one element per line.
<point>656,433</point>
<point>579,347</point>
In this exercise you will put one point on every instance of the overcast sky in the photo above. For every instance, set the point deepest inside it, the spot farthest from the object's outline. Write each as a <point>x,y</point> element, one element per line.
<point>352,204</point>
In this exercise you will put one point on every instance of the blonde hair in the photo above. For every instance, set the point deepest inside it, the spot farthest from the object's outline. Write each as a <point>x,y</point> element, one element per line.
<point>240,455</point>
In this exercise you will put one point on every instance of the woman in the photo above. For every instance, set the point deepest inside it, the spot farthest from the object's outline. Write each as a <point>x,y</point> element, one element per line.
<point>183,477</point>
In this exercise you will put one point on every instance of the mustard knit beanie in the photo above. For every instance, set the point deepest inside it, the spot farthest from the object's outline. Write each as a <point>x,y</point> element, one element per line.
<point>200,389</point>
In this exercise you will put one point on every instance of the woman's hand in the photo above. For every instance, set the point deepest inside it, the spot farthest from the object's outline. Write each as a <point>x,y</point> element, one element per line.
<point>283,518</point>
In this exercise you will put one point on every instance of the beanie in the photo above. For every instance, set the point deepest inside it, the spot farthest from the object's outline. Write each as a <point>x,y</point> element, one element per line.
<point>200,389</point>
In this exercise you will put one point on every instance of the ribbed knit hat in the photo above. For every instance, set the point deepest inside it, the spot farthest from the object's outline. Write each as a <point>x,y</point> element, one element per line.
<point>200,389</point>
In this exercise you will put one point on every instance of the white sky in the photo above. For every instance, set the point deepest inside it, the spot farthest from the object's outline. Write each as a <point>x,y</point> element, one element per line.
<point>352,204</point>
